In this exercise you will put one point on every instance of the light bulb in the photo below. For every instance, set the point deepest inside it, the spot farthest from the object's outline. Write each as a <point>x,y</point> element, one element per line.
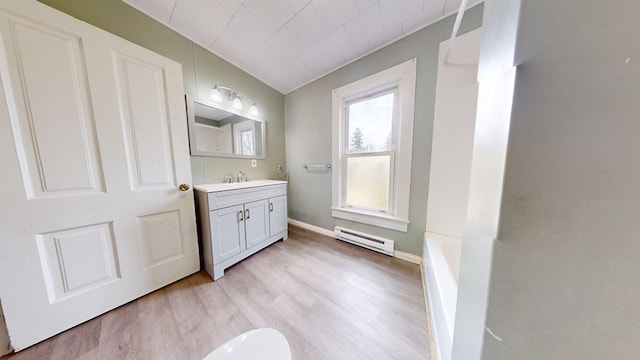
<point>237,103</point>
<point>216,95</point>
<point>253,110</point>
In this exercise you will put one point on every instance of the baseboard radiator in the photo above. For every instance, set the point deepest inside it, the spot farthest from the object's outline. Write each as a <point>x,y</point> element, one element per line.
<point>368,241</point>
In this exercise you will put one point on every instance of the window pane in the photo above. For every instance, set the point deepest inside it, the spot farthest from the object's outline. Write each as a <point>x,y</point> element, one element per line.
<point>370,124</point>
<point>247,142</point>
<point>368,181</point>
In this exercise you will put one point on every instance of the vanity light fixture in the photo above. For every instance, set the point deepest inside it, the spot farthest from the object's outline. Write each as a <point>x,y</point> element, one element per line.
<point>233,97</point>
<point>237,103</point>
<point>253,110</point>
<point>216,95</point>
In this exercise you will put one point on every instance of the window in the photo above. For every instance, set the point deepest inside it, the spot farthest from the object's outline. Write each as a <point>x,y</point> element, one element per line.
<point>245,137</point>
<point>368,154</point>
<point>372,139</point>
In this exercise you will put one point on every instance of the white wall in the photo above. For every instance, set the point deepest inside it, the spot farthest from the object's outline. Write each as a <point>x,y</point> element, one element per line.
<point>496,74</point>
<point>452,144</point>
<point>564,266</point>
<point>566,263</point>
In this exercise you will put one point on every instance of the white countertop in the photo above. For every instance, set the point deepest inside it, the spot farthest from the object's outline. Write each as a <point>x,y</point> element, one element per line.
<point>234,186</point>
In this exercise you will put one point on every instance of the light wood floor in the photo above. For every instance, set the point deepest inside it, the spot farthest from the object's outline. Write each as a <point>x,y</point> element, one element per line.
<point>330,299</point>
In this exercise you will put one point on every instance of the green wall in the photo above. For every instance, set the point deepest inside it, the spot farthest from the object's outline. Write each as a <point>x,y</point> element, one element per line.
<point>201,70</point>
<point>307,110</point>
<point>308,129</point>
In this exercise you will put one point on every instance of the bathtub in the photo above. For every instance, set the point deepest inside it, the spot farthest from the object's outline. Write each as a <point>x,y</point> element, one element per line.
<point>442,268</point>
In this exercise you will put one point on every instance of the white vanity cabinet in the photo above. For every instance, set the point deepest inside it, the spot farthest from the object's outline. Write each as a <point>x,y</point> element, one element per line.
<point>277,215</point>
<point>238,220</point>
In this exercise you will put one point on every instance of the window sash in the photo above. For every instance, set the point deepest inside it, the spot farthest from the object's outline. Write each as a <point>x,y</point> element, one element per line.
<point>365,96</point>
<point>390,193</point>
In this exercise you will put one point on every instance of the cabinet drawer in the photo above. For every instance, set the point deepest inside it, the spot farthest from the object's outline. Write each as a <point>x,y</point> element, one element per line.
<point>222,199</point>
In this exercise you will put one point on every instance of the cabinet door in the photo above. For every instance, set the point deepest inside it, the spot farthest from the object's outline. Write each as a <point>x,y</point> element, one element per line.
<point>277,215</point>
<point>257,222</point>
<point>227,232</point>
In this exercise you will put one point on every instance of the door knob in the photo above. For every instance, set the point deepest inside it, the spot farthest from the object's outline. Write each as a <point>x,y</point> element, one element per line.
<point>183,187</point>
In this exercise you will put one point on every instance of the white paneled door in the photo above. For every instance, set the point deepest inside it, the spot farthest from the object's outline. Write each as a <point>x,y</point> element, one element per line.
<point>94,151</point>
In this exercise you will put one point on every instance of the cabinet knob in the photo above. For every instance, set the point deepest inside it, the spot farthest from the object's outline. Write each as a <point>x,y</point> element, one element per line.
<point>183,187</point>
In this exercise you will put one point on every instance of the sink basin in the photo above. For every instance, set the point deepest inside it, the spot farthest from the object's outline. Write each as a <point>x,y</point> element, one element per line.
<point>235,186</point>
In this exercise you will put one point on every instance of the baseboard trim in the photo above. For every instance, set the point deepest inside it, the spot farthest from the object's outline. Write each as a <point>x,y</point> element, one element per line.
<point>313,228</point>
<point>414,259</point>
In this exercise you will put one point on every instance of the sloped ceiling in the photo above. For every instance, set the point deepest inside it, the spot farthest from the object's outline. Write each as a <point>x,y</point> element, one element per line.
<point>288,43</point>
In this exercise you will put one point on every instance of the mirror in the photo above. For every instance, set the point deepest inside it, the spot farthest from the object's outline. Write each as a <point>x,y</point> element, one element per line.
<point>217,132</point>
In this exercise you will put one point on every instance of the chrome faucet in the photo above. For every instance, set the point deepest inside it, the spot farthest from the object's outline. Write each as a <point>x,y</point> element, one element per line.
<point>240,175</point>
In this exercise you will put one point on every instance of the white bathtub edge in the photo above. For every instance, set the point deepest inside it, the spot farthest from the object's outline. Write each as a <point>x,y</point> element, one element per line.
<point>442,289</point>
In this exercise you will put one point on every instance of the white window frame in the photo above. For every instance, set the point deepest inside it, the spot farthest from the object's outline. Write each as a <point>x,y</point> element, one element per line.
<point>402,76</point>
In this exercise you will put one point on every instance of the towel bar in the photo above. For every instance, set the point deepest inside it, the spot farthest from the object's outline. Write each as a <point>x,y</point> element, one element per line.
<point>317,168</point>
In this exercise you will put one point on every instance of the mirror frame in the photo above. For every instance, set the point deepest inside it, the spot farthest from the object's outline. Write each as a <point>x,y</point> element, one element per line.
<point>191,121</point>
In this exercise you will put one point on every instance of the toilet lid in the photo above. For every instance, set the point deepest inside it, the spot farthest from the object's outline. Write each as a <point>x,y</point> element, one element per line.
<point>262,344</point>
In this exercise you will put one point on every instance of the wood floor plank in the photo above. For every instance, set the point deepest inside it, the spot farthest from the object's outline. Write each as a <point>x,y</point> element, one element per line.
<point>162,339</point>
<point>332,300</point>
<point>74,344</point>
<point>120,335</point>
<point>40,351</point>
<point>224,316</point>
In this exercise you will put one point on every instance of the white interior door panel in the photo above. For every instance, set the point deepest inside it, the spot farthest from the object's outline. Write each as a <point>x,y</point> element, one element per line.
<point>94,142</point>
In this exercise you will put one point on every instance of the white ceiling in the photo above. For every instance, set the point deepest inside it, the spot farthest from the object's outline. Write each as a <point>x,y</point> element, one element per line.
<point>288,43</point>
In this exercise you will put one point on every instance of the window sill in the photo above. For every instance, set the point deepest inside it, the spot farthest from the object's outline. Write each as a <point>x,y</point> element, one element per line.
<point>380,220</point>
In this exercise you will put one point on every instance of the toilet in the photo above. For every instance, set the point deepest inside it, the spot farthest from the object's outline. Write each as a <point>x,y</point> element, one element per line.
<point>258,344</point>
